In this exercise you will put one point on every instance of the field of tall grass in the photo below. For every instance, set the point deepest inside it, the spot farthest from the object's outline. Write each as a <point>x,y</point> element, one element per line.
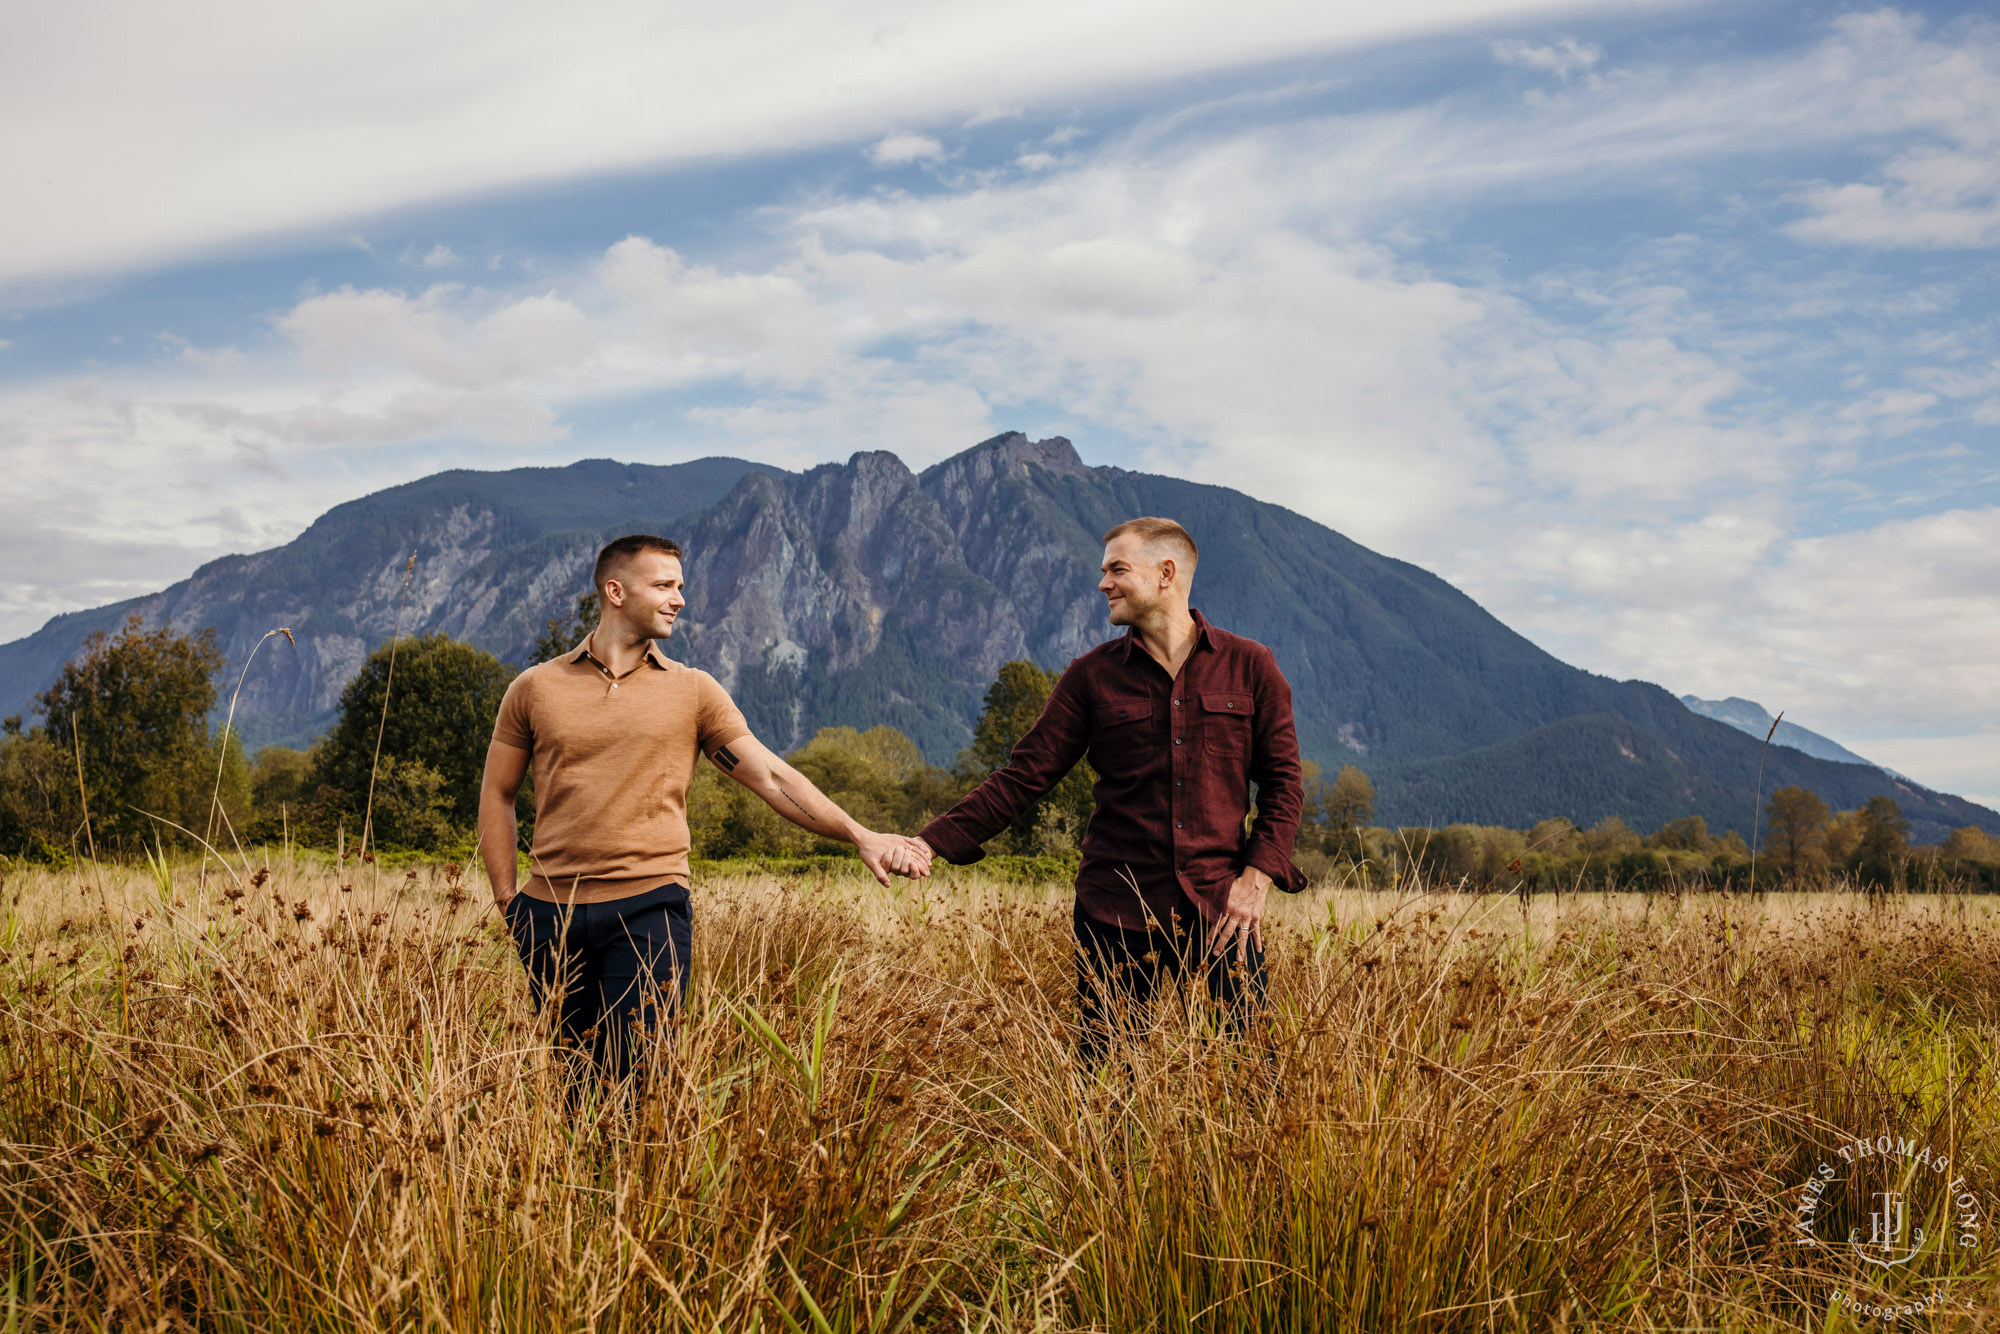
<point>312,1097</point>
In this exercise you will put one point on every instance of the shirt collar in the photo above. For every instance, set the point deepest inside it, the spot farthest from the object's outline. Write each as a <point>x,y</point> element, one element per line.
<point>582,653</point>
<point>1201,639</point>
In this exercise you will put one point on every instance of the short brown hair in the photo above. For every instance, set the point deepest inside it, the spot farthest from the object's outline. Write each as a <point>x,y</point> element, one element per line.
<point>615,554</point>
<point>1160,532</point>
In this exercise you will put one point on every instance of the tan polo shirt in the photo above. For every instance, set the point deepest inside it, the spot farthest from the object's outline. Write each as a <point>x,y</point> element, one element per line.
<point>612,761</point>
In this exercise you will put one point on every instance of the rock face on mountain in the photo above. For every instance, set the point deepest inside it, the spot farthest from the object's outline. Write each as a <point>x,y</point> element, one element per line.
<point>495,555</point>
<point>865,593</point>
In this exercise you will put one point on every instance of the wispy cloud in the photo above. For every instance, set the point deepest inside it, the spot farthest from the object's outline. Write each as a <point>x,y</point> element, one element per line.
<point>235,118</point>
<point>899,150</point>
<point>1689,455</point>
<point>1561,58</point>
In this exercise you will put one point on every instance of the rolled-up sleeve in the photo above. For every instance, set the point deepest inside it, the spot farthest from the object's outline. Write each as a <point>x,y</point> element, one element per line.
<point>1037,763</point>
<point>1275,769</point>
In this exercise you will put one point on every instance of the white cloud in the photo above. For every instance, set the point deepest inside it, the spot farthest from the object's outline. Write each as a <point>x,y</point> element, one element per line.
<point>1949,763</point>
<point>347,332</point>
<point>221,359</point>
<point>233,118</point>
<point>1865,632</point>
<point>694,322</point>
<point>1562,59</point>
<point>899,150</point>
<point>1608,468</point>
<point>440,256</point>
<point>1942,194</point>
<point>1935,199</point>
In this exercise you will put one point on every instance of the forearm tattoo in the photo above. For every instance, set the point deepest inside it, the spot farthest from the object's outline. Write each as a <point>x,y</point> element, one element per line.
<point>724,760</point>
<point>800,804</point>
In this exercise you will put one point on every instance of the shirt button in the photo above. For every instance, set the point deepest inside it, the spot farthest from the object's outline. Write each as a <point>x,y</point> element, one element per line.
<point>1177,741</point>
<point>1177,782</point>
<point>1177,824</point>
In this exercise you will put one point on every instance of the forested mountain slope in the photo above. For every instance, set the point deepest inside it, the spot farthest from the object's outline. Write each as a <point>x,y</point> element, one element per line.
<point>865,593</point>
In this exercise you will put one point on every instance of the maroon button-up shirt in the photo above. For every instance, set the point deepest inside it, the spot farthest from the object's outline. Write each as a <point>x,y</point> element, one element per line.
<point>1175,759</point>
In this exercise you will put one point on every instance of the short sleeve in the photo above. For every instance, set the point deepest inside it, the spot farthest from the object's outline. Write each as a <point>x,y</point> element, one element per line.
<point>719,721</point>
<point>513,727</point>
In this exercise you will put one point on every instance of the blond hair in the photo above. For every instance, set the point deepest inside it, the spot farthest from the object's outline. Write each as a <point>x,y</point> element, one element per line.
<point>1157,533</point>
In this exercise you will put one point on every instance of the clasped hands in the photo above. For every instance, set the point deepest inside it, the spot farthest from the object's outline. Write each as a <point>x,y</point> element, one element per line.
<point>894,854</point>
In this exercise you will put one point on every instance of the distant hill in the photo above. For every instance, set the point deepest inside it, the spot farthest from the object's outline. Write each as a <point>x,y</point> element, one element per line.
<point>866,593</point>
<point>1749,716</point>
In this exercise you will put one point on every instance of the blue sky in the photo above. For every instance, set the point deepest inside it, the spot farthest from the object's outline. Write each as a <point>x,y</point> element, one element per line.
<point>1668,332</point>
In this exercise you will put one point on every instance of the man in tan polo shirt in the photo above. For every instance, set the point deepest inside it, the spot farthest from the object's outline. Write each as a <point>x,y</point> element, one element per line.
<point>612,730</point>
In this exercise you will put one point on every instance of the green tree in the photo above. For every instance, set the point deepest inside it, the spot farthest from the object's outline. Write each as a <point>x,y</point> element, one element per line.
<point>1970,843</point>
<point>39,817</point>
<point>439,717</point>
<point>1687,834</point>
<point>1840,838</point>
<point>1609,838</point>
<point>1798,831</point>
<point>1555,837</point>
<point>1884,844</point>
<point>280,790</point>
<point>562,634</point>
<point>1054,825</point>
<point>863,772</point>
<point>136,705</point>
<point>1344,806</point>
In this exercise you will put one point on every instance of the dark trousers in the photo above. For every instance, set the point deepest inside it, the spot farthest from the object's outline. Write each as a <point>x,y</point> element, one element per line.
<point>1118,971</point>
<point>617,971</point>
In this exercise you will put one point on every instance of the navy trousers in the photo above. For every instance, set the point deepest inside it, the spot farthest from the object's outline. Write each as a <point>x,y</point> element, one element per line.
<point>1118,970</point>
<point>617,971</point>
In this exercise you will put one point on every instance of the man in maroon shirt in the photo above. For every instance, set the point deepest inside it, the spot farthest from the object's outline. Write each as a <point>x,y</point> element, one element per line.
<point>1179,719</point>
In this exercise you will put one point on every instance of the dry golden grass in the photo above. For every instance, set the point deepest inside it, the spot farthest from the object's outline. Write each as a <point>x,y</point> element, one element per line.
<point>297,1104</point>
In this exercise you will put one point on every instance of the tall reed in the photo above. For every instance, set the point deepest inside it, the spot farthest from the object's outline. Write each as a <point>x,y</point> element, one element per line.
<point>333,1110</point>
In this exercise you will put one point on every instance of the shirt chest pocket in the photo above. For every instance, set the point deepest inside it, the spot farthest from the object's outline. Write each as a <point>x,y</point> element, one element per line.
<point>1226,721</point>
<point>1121,733</point>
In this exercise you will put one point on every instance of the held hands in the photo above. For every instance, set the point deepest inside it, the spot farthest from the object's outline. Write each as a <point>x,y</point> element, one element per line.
<point>1242,919</point>
<point>893,854</point>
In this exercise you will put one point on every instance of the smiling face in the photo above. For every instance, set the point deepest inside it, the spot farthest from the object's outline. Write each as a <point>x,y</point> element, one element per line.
<point>646,594</point>
<point>1136,579</point>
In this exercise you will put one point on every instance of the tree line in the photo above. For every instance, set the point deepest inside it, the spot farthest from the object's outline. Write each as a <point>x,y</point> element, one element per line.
<point>126,757</point>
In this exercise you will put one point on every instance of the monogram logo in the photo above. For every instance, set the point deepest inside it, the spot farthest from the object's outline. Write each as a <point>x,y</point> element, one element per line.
<point>1903,1209</point>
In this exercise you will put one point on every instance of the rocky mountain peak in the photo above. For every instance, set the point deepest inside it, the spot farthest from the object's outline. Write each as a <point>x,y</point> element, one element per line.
<point>1008,455</point>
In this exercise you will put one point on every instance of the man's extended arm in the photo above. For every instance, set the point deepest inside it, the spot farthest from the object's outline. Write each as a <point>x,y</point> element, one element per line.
<point>792,795</point>
<point>506,766</point>
<point>1037,763</point>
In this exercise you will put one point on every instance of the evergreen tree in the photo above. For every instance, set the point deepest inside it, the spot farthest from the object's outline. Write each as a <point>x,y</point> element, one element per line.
<point>1014,702</point>
<point>441,703</point>
<point>561,634</point>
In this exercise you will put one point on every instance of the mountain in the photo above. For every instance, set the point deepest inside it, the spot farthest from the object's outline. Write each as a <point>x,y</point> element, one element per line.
<point>496,555</point>
<point>1747,715</point>
<point>866,593</point>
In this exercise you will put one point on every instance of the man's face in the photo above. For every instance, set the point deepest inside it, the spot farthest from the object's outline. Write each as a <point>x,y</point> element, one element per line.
<point>1131,582</point>
<point>648,593</point>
